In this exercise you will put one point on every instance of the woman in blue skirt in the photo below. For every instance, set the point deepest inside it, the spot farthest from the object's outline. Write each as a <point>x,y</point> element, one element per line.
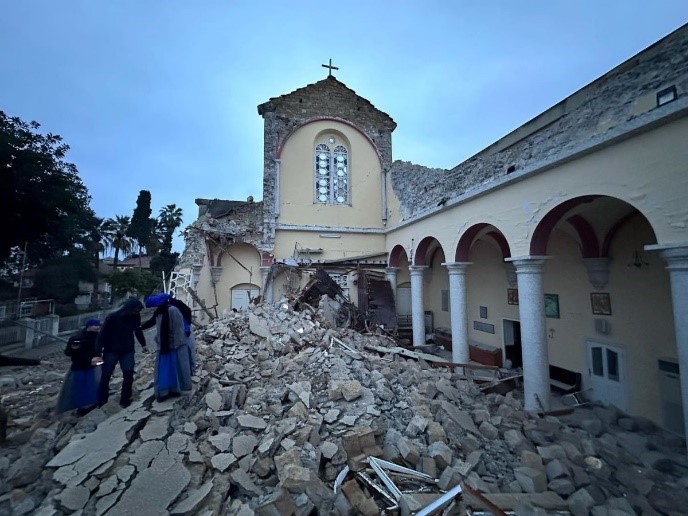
<point>173,362</point>
<point>80,387</point>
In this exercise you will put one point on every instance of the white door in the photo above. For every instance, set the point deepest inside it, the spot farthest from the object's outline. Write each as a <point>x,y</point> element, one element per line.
<point>241,296</point>
<point>404,306</point>
<point>607,374</point>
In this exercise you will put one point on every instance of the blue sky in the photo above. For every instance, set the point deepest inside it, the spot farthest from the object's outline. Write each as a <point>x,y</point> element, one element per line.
<point>161,94</point>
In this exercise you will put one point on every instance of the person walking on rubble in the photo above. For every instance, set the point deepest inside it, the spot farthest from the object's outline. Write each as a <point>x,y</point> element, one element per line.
<point>173,363</point>
<point>115,344</point>
<point>80,387</point>
<point>14,361</point>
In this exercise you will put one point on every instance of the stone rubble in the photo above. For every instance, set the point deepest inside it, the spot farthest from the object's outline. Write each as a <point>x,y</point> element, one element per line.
<point>279,409</point>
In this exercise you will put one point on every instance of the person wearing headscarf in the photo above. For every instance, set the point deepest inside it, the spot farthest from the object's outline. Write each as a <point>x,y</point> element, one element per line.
<point>115,344</point>
<point>174,355</point>
<point>80,386</point>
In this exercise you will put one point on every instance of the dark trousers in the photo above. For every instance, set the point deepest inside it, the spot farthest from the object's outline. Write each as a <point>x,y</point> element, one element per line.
<point>126,364</point>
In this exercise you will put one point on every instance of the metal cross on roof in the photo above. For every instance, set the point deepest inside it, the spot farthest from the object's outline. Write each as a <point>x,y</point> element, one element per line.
<point>330,67</point>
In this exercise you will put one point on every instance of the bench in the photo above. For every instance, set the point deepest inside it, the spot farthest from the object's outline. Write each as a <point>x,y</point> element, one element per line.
<point>563,380</point>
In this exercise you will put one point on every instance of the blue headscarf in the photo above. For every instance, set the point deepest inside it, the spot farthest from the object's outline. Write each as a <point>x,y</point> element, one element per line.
<point>92,322</point>
<point>157,300</point>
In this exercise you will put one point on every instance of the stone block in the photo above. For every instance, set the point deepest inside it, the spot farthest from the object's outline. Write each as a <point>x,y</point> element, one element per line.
<point>562,486</point>
<point>277,503</point>
<point>411,503</point>
<point>351,390</point>
<point>435,432</point>
<point>408,451</point>
<point>580,503</point>
<point>488,430</point>
<point>428,466</point>
<point>361,503</point>
<point>532,480</point>
<point>449,478</point>
<point>557,469</point>
<point>441,453</point>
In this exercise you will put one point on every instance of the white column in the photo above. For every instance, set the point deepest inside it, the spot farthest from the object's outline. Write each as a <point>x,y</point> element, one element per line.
<point>677,265</point>
<point>458,311</point>
<point>391,275</point>
<point>267,286</point>
<point>417,313</point>
<point>531,309</point>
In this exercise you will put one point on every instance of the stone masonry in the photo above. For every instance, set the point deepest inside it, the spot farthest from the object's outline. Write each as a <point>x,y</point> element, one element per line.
<point>325,99</point>
<point>616,103</point>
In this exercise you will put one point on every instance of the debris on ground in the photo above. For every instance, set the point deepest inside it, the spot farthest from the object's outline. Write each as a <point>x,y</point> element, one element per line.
<point>293,415</point>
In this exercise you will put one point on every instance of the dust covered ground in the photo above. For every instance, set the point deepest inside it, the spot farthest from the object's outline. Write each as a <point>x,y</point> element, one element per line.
<point>285,408</point>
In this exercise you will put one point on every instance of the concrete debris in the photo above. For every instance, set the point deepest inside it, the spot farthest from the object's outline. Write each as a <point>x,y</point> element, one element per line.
<point>284,403</point>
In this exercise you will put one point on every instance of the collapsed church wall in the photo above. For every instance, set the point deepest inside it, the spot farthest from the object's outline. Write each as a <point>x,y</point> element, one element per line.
<point>606,108</point>
<point>223,223</point>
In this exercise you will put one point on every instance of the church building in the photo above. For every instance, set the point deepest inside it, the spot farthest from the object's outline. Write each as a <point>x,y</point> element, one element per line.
<point>562,248</point>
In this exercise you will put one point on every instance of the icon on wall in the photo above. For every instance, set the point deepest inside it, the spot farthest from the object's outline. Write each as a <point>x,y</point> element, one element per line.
<point>601,303</point>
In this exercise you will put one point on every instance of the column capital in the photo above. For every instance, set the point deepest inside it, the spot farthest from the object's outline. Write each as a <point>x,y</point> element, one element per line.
<point>457,267</point>
<point>417,270</point>
<point>676,255</point>
<point>392,270</point>
<point>528,264</point>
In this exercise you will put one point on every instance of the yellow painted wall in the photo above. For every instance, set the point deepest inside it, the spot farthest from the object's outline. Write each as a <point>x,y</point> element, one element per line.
<point>297,180</point>
<point>347,246</point>
<point>436,279</point>
<point>232,274</point>
<point>648,171</point>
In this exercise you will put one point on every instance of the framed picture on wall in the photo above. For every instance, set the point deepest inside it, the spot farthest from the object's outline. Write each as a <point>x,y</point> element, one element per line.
<point>552,306</point>
<point>601,303</point>
<point>512,296</point>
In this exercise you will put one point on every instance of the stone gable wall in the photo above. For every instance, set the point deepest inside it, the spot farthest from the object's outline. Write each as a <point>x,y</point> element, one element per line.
<point>326,98</point>
<point>620,96</point>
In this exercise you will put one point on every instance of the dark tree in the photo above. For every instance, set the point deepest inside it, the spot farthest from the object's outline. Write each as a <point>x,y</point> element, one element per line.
<point>164,262</point>
<point>138,282</point>
<point>59,278</point>
<point>141,226</point>
<point>43,201</point>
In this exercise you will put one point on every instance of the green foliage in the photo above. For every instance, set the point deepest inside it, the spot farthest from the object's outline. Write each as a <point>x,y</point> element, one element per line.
<point>141,226</point>
<point>137,282</point>
<point>42,200</point>
<point>59,278</point>
<point>169,219</point>
<point>164,261</point>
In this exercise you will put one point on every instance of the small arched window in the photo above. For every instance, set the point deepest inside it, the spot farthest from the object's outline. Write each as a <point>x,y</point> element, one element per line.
<point>331,173</point>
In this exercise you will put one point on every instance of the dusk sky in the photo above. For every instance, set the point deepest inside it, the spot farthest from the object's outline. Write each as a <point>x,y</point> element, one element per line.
<point>161,95</point>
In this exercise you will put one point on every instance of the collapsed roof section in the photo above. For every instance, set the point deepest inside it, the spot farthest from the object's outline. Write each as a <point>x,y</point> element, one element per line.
<point>223,223</point>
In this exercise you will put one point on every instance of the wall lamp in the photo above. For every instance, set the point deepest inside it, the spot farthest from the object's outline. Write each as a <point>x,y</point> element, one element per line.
<point>638,261</point>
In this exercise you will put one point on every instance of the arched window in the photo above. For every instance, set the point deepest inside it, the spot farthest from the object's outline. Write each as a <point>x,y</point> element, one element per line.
<point>331,173</point>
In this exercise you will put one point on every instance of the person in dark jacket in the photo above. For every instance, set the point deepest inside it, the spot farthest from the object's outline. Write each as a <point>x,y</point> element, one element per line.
<point>115,344</point>
<point>13,361</point>
<point>80,386</point>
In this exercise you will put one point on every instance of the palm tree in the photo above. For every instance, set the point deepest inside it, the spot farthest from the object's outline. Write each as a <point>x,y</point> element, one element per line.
<point>170,218</point>
<point>120,241</point>
<point>106,235</point>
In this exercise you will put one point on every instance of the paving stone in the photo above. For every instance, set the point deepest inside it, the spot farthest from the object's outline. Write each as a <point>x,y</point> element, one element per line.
<point>74,498</point>
<point>195,497</point>
<point>251,422</point>
<point>222,461</point>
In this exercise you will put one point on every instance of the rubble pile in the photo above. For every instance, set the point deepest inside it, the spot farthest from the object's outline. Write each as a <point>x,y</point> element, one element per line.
<point>284,405</point>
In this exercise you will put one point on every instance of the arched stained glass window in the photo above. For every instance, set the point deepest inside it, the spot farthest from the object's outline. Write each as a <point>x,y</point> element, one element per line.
<point>331,174</point>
